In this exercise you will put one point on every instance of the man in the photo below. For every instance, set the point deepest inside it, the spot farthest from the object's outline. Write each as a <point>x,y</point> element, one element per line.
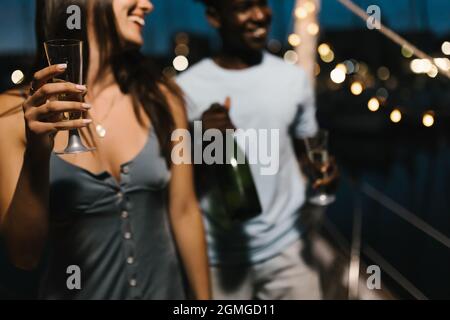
<point>259,258</point>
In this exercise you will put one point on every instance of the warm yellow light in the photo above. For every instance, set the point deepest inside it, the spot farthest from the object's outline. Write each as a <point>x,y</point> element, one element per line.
<point>446,48</point>
<point>17,77</point>
<point>433,72</point>
<point>416,66</point>
<point>407,52</point>
<point>328,58</point>
<point>422,66</point>
<point>428,119</point>
<point>324,49</point>
<point>294,40</point>
<point>313,28</point>
<point>342,67</point>
<point>338,75</point>
<point>442,63</point>
<point>396,116</point>
<point>356,88</point>
<point>291,57</point>
<point>180,63</point>
<point>310,6</point>
<point>373,104</point>
<point>301,13</point>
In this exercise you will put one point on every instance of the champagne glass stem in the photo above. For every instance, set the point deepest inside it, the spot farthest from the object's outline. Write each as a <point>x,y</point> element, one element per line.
<point>75,145</point>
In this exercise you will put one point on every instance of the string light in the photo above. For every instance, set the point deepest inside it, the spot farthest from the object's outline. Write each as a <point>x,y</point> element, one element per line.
<point>313,28</point>
<point>373,104</point>
<point>433,72</point>
<point>428,119</point>
<point>301,13</point>
<point>342,67</point>
<point>407,52</point>
<point>324,49</point>
<point>310,7</point>
<point>356,88</point>
<point>338,75</point>
<point>294,40</point>
<point>442,63</point>
<point>421,66</point>
<point>425,64</point>
<point>328,58</point>
<point>446,48</point>
<point>291,57</point>
<point>17,77</point>
<point>325,52</point>
<point>180,63</point>
<point>396,116</point>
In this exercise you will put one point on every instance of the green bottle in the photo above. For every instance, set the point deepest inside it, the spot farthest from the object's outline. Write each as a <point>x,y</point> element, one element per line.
<point>238,191</point>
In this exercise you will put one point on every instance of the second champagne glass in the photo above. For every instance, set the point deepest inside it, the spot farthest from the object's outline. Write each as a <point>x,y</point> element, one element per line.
<point>317,151</point>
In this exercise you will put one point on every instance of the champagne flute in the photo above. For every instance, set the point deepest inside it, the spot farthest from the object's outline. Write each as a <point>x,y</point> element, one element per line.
<point>70,52</point>
<point>318,155</point>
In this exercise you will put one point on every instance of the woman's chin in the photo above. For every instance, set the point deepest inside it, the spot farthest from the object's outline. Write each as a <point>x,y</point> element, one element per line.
<point>134,43</point>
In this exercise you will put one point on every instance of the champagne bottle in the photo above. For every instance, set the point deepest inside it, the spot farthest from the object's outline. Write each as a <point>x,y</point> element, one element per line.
<point>240,197</point>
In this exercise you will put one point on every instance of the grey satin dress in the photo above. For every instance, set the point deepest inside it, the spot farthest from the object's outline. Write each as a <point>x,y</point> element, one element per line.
<point>118,235</point>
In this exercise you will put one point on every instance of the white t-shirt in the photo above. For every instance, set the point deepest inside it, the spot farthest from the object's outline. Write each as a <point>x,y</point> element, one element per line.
<point>271,95</point>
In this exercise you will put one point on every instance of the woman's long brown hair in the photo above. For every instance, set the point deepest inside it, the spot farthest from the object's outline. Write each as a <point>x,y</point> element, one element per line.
<point>134,73</point>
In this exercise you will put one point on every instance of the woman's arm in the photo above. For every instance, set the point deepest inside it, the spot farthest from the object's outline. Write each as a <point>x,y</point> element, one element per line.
<point>24,188</point>
<point>186,218</point>
<point>25,150</point>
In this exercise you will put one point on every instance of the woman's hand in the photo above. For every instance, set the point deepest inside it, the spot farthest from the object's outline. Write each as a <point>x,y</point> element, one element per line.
<point>43,113</point>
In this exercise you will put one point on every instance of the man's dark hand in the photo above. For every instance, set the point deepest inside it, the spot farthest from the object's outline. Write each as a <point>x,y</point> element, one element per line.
<point>330,174</point>
<point>218,117</point>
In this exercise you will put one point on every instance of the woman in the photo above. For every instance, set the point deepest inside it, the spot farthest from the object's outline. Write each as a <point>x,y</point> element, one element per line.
<point>123,215</point>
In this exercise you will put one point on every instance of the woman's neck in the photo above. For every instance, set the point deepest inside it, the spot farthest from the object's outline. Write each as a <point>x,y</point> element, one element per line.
<point>99,77</point>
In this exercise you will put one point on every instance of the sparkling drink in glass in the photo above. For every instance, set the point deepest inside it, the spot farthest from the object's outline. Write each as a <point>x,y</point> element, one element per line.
<point>70,52</point>
<point>318,156</point>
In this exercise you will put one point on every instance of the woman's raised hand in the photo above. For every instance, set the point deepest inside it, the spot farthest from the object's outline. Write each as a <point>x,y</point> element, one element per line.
<point>44,114</point>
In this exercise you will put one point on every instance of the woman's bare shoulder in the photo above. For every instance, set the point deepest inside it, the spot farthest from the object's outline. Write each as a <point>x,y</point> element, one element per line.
<point>11,103</point>
<point>11,114</point>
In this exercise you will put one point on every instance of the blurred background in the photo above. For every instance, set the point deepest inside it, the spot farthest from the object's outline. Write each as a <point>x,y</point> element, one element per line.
<point>388,114</point>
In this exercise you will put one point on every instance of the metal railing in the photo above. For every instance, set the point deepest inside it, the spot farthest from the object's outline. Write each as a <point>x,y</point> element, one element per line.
<point>357,247</point>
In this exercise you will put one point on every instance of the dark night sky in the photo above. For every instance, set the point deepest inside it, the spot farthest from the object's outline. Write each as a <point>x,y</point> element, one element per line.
<point>170,16</point>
